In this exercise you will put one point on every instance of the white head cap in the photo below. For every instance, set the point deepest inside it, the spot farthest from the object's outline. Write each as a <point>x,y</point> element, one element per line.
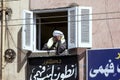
<point>57,33</point>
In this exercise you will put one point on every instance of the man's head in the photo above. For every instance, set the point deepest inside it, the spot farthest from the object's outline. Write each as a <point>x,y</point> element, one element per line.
<point>57,35</point>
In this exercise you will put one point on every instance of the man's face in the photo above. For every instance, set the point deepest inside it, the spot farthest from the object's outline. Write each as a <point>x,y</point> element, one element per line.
<point>57,38</point>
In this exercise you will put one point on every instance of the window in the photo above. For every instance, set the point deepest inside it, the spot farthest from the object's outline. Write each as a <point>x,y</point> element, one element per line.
<point>80,27</point>
<point>27,30</point>
<point>75,23</point>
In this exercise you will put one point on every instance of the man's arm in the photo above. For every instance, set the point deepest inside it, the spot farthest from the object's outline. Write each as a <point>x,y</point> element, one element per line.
<point>61,47</point>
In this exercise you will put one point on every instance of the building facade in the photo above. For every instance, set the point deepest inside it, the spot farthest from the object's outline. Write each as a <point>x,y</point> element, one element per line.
<point>27,24</point>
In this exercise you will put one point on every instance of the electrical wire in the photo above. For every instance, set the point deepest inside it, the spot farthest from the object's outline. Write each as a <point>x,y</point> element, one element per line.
<point>54,23</point>
<point>63,16</point>
<point>9,0</point>
<point>58,22</point>
<point>108,24</point>
<point>14,41</point>
<point>9,33</point>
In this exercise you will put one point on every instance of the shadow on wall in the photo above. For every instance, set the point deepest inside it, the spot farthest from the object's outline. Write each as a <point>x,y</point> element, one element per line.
<point>21,56</point>
<point>81,54</point>
<point>82,57</point>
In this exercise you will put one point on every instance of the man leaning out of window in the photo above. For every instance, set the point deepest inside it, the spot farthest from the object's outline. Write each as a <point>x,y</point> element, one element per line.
<point>57,42</point>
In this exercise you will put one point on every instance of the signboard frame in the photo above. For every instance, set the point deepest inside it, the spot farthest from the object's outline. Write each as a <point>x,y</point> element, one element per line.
<point>100,60</point>
<point>53,66</point>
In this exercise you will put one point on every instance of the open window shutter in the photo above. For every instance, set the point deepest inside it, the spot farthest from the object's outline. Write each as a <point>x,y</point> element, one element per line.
<point>27,30</point>
<point>85,27</point>
<point>72,27</point>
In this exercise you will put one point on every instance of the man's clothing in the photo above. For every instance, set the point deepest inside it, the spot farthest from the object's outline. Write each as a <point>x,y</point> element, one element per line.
<point>59,46</point>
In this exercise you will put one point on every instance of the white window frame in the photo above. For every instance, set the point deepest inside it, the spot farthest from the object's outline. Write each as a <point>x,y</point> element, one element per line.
<point>72,38</point>
<point>80,43</point>
<point>77,31</point>
<point>78,28</point>
<point>24,31</point>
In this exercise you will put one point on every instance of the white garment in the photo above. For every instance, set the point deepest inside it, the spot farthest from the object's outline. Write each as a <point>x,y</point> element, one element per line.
<point>50,41</point>
<point>57,33</point>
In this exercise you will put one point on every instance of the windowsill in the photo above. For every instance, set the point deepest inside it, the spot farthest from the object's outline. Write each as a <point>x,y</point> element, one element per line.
<point>45,53</point>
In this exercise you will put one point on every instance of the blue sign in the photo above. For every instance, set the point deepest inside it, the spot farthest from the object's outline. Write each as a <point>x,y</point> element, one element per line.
<point>103,64</point>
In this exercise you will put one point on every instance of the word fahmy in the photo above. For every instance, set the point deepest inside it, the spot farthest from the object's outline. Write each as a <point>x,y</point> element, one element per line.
<point>109,68</point>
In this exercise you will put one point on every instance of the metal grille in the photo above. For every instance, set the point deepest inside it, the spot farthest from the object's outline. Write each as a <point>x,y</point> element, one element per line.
<point>72,26</point>
<point>85,25</point>
<point>27,24</point>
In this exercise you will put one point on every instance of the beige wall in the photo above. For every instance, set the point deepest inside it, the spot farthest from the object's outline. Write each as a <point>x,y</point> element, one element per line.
<point>47,4</point>
<point>17,69</point>
<point>105,31</point>
<point>0,55</point>
<point>106,23</point>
